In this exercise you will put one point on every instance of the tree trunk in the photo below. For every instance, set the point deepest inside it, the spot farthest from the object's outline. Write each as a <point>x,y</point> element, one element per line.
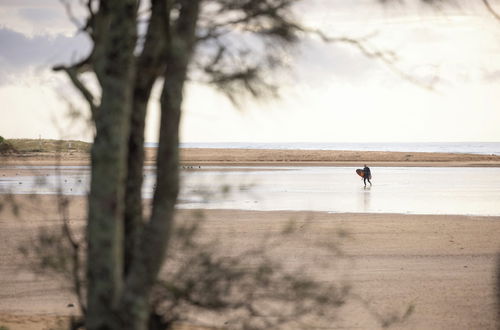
<point>149,66</point>
<point>154,239</point>
<point>114,66</point>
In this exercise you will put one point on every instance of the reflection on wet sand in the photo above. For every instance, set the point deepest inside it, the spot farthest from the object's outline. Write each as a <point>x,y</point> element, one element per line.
<point>413,190</point>
<point>366,198</point>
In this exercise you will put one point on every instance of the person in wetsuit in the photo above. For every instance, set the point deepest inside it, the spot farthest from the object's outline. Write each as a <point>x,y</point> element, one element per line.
<point>368,175</point>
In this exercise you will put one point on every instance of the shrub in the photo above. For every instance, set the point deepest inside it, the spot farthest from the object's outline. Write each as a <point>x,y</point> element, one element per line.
<point>6,147</point>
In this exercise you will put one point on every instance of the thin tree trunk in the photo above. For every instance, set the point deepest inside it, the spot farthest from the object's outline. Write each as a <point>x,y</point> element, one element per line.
<point>154,239</point>
<point>114,69</point>
<point>149,65</point>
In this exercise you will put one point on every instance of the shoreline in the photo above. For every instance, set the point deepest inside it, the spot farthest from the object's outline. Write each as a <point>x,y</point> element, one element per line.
<point>276,157</point>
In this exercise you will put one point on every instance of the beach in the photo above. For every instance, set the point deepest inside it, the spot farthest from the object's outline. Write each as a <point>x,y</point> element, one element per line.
<point>444,266</point>
<point>263,157</point>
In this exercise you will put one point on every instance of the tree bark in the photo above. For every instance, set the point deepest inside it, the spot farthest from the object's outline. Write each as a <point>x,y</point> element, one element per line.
<point>149,66</point>
<point>154,239</point>
<point>115,71</point>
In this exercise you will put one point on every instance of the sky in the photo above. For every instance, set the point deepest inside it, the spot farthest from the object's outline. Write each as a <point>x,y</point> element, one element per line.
<point>329,93</point>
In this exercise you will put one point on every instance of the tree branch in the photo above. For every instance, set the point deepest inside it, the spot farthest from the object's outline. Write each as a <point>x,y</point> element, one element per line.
<point>69,13</point>
<point>257,16</point>
<point>72,73</point>
<point>388,58</point>
<point>491,10</point>
<point>75,253</point>
<point>63,207</point>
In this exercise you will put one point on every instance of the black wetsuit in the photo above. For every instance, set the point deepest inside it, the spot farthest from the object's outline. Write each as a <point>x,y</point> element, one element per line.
<point>367,176</point>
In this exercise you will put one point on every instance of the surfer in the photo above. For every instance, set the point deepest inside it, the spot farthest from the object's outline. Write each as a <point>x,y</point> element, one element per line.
<point>367,176</point>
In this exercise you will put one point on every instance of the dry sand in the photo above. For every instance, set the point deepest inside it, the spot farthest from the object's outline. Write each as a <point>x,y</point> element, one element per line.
<point>277,157</point>
<point>243,157</point>
<point>332,158</point>
<point>443,265</point>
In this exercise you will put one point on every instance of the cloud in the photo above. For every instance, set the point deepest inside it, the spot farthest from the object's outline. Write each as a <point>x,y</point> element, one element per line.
<point>41,15</point>
<point>30,3</point>
<point>20,53</point>
<point>32,17</point>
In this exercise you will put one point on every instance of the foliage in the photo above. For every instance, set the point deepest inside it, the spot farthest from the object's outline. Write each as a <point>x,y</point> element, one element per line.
<point>6,146</point>
<point>51,146</point>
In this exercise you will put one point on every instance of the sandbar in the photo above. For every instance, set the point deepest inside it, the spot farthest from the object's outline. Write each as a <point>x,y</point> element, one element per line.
<point>266,157</point>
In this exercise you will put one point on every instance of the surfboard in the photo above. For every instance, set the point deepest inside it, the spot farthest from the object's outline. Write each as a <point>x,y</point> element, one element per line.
<point>360,172</point>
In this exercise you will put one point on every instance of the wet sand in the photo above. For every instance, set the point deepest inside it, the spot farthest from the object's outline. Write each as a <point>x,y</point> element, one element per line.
<point>442,265</point>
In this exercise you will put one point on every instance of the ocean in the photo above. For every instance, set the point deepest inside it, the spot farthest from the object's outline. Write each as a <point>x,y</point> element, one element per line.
<point>484,148</point>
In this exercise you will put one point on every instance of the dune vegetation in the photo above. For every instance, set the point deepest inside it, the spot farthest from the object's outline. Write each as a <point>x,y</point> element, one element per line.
<point>46,145</point>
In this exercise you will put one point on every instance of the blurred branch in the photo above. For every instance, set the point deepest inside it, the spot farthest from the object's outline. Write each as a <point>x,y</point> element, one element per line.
<point>76,264</point>
<point>89,22</point>
<point>491,10</point>
<point>69,13</point>
<point>385,320</point>
<point>387,57</point>
<point>72,72</point>
<point>89,25</point>
<point>260,17</point>
<point>75,253</point>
